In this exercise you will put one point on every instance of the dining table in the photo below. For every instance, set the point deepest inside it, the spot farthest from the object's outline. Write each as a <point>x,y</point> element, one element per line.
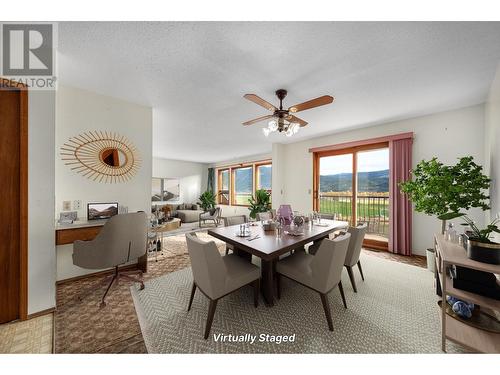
<point>269,246</point>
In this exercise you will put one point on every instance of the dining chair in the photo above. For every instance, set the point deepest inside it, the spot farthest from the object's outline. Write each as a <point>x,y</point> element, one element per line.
<point>233,220</point>
<point>354,251</point>
<point>217,276</point>
<point>321,272</point>
<point>262,216</point>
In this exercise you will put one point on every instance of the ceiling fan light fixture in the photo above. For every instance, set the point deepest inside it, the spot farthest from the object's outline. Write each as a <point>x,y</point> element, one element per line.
<point>266,131</point>
<point>272,125</point>
<point>294,127</point>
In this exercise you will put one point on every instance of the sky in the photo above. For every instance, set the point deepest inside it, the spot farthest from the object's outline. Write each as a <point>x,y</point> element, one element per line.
<point>375,160</point>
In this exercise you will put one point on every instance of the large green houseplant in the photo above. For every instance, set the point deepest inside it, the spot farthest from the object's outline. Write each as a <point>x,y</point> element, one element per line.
<point>207,201</point>
<point>260,203</point>
<point>446,190</point>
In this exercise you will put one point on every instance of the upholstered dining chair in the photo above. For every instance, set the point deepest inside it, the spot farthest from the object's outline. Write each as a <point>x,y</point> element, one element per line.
<point>217,276</point>
<point>321,272</point>
<point>354,251</point>
<point>262,216</point>
<point>122,239</point>
<point>233,220</point>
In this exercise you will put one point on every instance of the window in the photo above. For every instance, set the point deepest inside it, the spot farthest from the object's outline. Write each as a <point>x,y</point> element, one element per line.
<point>242,185</point>
<point>236,184</point>
<point>223,186</point>
<point>264,177</point>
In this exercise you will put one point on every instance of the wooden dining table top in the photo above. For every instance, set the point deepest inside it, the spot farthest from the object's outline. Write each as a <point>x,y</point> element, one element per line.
<point>269,246</point>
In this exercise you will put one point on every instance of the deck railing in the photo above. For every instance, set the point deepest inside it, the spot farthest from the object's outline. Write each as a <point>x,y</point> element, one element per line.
<point>372,209</point>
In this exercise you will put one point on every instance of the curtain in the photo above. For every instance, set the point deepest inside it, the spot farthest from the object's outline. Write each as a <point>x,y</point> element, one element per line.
<point>400,211</point>
<point>211,180</point>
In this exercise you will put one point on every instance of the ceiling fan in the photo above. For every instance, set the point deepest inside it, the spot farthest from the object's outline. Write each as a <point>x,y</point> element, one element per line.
<point>283,120</point>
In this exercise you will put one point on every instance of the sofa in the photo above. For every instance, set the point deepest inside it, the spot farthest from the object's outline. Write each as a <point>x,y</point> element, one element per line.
<point>187,212</point>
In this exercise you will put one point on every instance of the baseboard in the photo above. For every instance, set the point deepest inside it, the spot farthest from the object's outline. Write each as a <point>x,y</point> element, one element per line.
<point>41,313</point>
<point>99,273</point>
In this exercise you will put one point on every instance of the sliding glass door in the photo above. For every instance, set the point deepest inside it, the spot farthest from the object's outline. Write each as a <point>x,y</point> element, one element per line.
<point>353,185</point>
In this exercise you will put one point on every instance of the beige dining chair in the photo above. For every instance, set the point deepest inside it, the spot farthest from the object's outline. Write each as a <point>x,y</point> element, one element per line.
<point>233,220</point>
<point>217,276</point>
<point>320,272</point>
<point>354,251</point>
<point>122,239</point>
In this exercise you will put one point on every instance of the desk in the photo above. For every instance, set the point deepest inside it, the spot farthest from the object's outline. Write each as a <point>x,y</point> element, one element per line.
<point>66,234</point>
<point>269,247</point>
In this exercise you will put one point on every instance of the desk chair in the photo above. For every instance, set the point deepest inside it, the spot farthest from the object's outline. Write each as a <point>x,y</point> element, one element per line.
<point>122,239</point>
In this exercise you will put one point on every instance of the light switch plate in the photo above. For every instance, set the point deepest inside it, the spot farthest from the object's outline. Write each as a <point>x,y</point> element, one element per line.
<point>66,206</point>
<point>77,205</point>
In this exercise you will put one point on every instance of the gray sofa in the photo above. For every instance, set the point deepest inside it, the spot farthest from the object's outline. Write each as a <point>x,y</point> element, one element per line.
<point>187,212</point>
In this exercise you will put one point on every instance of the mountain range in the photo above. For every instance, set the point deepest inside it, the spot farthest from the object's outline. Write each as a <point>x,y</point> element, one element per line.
<point>374,181</point>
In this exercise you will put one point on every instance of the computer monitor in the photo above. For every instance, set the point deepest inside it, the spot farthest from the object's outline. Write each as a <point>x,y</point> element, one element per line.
<point>100,211</point>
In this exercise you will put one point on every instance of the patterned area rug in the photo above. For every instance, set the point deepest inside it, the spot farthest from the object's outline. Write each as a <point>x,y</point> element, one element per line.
<point>83,327</point>
<point>394,311</point>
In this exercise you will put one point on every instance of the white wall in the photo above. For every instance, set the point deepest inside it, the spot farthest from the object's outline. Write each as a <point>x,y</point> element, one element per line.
<point>192,176</point>
<point>41,238</point>
<point>446,135</point>
<point>230,210</point>
<point>492,146</point>
<point>78,111</point>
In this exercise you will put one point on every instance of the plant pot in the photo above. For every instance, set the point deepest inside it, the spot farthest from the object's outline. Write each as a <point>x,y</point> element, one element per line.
<point>486,252</point>
<point>431,263</point>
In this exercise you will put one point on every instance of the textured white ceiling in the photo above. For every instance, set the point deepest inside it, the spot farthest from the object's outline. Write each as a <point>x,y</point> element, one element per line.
<point>194,74</point>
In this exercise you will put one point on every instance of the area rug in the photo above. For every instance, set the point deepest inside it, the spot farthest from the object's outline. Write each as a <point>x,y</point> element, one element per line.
<point>394,311</point>
<point>83,327</point>
<point>190,228</point>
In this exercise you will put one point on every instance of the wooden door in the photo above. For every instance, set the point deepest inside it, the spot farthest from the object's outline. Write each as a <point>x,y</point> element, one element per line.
<point>13,206</point>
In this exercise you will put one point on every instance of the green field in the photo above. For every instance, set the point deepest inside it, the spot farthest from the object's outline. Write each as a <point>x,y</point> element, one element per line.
<point>366,207</point>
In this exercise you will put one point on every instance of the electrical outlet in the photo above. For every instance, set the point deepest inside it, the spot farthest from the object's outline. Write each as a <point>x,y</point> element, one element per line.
<point>66,206</point>
<point>77,205</point>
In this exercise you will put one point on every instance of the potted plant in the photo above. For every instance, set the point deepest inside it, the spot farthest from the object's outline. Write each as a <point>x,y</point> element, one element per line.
<point>445,190</point>
<point>479,245</point>
<point>260,203</point>
<point>207,201</point>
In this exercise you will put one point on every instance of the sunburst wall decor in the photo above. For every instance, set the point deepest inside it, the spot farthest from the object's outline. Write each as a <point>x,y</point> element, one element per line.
<point>102,156</point>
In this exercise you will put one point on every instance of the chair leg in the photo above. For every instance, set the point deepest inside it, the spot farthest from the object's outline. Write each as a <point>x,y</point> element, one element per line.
<point>278,284</point>
<point>193,290</point>
<point>210,317</point>
<point>256,290</point>
<point>103,302</point>
<point>351,276</point>
<point>361,270</point>
<point>326,307</point>
<point>134,279</point>
<point>342,294</point>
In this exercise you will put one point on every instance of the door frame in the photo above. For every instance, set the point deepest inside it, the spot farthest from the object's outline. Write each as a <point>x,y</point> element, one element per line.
<point>23,194</point>
<point>317,155</point>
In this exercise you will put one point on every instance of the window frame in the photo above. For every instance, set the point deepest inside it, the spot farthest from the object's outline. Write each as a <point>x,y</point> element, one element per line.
<point>257,175</point>
<point>233,183</point>
<point>232,169</point>
<point>219,185</point>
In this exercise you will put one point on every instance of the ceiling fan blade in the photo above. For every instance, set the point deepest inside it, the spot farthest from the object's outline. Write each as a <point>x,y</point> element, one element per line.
<point>250,122</point>
<point>258,100</point>
<point>293,118</point>
<point>322,100</point>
